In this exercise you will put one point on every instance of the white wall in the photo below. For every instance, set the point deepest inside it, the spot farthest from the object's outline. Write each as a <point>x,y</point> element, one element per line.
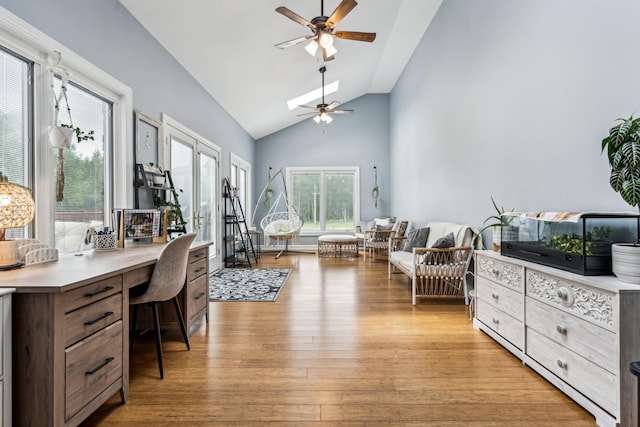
<point>512,99</point>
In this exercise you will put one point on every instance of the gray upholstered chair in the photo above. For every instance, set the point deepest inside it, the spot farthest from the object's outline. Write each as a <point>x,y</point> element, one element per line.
<point>166,282</point>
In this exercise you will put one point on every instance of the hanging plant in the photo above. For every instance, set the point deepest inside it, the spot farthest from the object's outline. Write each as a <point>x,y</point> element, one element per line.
<point>376,191</point>
<point>60,135</point>
<point>268,192</point>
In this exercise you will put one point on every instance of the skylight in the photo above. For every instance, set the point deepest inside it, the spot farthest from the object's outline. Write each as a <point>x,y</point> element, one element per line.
<point>313,95</point>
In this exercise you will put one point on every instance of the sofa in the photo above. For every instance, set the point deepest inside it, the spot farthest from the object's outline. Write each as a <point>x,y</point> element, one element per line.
<point>436,258</point>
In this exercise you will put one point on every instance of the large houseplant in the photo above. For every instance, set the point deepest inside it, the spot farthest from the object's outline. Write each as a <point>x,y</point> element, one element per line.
<point>499,224</point>
<point>623,151</point>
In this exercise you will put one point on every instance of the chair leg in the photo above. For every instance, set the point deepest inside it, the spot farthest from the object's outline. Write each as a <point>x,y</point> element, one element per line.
<point>134,316</point>
<point>156,323</point>
<point>181,319</point>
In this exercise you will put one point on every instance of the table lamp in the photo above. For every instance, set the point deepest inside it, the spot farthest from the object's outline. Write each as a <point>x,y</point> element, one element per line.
<point>16,210</point>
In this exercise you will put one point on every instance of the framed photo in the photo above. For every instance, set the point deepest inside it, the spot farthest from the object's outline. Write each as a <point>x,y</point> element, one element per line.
<point>149,141</point>
<point>141,223</point>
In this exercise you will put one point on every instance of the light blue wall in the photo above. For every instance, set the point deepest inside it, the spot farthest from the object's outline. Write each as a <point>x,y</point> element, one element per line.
<point>512,99</point>
<point>106,34</point>
<point>360,139</point>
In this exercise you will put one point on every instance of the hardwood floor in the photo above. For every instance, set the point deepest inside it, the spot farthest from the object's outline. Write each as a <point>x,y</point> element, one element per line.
<point>342,346</point>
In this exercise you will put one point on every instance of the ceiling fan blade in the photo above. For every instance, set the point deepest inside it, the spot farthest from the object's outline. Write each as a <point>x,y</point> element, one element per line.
<point>341,11</point>
<point>333,105</point>
<point>295,17</point>
<point>307,106</point>
<point>293,42</point>
<point>341,111</point>
<point>355,35</point>
<point>307,114</point>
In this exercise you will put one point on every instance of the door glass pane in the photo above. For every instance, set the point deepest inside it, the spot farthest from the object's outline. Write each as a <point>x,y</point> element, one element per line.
<point>85,165</point>
<point>14,124</point>
<point>208,200</point>
<point>339,201</point>
<point>242,189</point>
<point>305,196</point>
<point>182,174</point>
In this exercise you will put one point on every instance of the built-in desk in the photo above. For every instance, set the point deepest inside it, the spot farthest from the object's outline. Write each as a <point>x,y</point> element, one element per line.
<point>71,328</point>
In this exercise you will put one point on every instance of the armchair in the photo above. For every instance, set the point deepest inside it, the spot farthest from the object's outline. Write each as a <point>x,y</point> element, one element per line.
<point>377,241</point>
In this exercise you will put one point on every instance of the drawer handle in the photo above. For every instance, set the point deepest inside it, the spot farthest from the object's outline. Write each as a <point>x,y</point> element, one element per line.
<point>198,255</point>
<point>561,364</point>
<point>200,295</point>
<point>101,291</point>
<point>561,329</point>
<point>102,365</point>
<point>496,321</point>
<point>198,270</point>
<point>494,295</point>
<point>495,272</point>
<point>104,316</point>
<point>562,294</point>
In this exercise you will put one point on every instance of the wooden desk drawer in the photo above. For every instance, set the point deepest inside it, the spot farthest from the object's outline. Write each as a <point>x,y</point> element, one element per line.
<point>591,380</point>
<point>506,274</point>
<point>590,341</point>
<point>197,255</point>
<point>595,305</point>
<point>198,295</point>
<point>510,328</point>
<point>92,365</point>
<point>196,269</point>
<point>503,298</point>
<point>87,320</point>
<point>92,292</point>
<point>138,276</point>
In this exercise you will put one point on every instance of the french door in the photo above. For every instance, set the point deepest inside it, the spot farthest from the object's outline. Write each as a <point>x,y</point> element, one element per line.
<point>194,165</point>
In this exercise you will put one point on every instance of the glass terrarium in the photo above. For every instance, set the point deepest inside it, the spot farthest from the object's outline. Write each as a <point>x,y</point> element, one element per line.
<point>576,242</point>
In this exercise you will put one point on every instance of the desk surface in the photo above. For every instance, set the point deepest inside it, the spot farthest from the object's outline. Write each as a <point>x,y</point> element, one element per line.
<point>72,271</point>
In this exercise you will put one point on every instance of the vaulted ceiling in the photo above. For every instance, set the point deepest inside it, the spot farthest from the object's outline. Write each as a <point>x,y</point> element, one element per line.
<point>229,48</point>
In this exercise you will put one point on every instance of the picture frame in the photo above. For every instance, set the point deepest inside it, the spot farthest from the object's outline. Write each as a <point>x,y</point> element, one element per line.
<point>149,146</point>
<point>141,223</point>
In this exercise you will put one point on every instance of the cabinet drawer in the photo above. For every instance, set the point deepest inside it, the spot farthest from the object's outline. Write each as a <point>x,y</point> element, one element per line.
<point>501,322</point>
<point>138,276</point>
<point>196,269</point>
<point>506,274</point>
<point>197,293</point>
<point>197,255</point>
<point>595,305</point>
<point>503,298</point>
<point>591,380</point>
<point>590,341</point>
<point>92,365</point>
<point>85,321</point>
<point>93,292</point>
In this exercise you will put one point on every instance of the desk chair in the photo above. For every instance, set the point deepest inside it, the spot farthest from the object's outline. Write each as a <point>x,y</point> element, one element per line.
<point>166,282</point>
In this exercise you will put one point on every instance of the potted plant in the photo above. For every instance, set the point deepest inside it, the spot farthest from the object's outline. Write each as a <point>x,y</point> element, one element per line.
<point>500,226</point>
<point>622,146</point>
<point>157,174</point>
<point>173,209</point>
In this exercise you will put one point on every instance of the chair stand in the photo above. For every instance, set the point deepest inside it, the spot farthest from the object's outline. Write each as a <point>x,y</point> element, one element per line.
<point>156,326</point>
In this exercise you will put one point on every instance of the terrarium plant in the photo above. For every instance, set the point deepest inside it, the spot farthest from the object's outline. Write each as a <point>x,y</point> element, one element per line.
<point>622,146</point>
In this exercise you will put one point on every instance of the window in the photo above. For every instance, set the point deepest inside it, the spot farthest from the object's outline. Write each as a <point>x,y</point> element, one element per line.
<point>326,198</point>
<point>87,168</point>
<point>240,179</point>
<point>16,112</point>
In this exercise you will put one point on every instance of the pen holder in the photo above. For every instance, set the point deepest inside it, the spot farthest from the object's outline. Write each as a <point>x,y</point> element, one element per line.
<point>104,242</point>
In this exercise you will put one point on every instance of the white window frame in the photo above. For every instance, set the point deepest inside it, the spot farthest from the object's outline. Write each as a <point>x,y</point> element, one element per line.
<point>240,163</point>
<point>29,42</point>
<point>297,170</point>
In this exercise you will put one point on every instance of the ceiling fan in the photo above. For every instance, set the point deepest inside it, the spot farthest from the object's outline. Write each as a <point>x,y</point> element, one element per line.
<point>323,29</point>
<point>322,111</point>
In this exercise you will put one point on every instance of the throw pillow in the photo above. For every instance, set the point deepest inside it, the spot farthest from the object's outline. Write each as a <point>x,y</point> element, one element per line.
<point>446,241</point>
<point>417,238</point>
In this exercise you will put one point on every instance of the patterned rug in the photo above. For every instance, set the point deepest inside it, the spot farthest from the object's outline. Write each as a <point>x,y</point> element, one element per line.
<point>247,284</point>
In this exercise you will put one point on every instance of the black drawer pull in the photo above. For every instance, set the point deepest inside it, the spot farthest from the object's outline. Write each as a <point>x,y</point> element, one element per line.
<point>198,255</point>
<point>198,270</point>
<point>104,316</point>
<point>200,295</point>
<point>102,365</point>
<point>101,291</point>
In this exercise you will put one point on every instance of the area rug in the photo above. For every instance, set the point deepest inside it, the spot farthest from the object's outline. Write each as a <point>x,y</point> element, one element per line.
<point>247,284</point>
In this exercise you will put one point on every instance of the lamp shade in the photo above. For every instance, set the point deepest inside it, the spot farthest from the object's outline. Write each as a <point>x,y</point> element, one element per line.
<point>16,205</point>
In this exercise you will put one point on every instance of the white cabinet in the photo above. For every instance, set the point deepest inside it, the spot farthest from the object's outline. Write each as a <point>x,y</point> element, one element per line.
<point>579,332</point>
<point>5,356</point>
